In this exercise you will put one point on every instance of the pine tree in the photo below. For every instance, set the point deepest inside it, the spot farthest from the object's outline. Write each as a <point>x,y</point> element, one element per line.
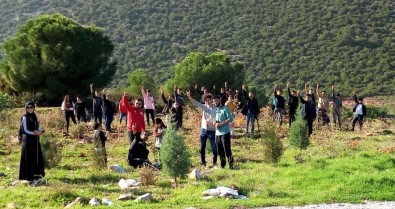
<point>272,147</point>
<point>173,154</point>
<point>299,133</point>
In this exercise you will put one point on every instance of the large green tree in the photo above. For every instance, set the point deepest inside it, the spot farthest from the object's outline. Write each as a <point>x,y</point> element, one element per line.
<point>55,55</point>
<point>206,70</point>
<point>138,78</point>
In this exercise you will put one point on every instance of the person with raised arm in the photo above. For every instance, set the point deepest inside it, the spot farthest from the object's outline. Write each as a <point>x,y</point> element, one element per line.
<point>203,90</point>
<point>179,99</point>
<point>207,129</point>
<point>250,109</point>
<point>308,112</point>
<point>109,110</point>
<point>309,91</point>
<point>149,105</point>
<point>279,105</point>
<point>293,103</point>
<point>168,102</point>
<point>136,124</point>
<point>359,111</point>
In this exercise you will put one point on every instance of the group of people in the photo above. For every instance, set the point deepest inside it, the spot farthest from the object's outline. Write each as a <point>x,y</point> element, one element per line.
<point>218,112</point>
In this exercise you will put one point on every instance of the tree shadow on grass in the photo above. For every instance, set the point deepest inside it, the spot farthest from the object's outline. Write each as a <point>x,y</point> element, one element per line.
<point>249,160</point>
<point>94,179</point>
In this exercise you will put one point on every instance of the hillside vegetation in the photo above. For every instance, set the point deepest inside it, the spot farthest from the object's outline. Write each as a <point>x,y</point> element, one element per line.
<point>344,42</point>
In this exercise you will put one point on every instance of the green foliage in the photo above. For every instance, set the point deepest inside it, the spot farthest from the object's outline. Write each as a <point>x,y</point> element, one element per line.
<point>99,157</point>
<point>5,100</point>
<point>376,112</point>
<point>299,133</point>
<point>174,154</point>
<point>326,41</point>
<point>52,150</point>
<point>138,78</point>
<point>205,70</point>
<point>78,130</point>
<point>272,147</point>
<point>54,55</point>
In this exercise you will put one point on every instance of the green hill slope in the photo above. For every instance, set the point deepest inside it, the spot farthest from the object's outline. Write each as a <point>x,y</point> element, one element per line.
<point>343,42</point>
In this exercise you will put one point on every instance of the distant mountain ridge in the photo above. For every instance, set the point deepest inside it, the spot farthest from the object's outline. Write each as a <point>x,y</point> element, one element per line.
<point>350,43</point>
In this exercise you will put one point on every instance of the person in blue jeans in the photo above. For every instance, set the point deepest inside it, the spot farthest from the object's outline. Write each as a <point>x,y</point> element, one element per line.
<point>359,111</point>
<point>251,109</point>
<point>207,130</point>
<point>97,105</point>
<point>109,110</point>
<point>223,117</point>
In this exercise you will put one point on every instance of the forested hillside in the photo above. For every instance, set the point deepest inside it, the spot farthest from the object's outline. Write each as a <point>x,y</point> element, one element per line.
<point>343,42</point>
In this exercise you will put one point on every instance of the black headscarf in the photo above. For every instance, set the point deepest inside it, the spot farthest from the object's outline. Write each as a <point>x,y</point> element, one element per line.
<point>30,117</point>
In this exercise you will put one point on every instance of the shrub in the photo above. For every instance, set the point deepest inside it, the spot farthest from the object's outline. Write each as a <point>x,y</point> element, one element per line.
<point>376,112</point>
<point>77,131</point>
<point>52,150</point>
<point>148,175</point>
<point>99,158</point>
<point>299,133</point>
<point>173,154</point>
<point>272,147</point>
<point>5,101</point>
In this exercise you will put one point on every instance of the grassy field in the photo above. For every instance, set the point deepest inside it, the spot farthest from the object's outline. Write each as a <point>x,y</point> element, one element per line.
<point>339,166</point>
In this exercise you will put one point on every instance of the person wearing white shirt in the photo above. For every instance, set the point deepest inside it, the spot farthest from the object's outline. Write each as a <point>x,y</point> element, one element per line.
<point>359,112</point>
<point>68,108</point>
<point>207,130</point>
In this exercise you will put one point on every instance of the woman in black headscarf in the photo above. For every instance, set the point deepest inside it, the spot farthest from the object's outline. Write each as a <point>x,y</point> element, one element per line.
<point>32,161</point>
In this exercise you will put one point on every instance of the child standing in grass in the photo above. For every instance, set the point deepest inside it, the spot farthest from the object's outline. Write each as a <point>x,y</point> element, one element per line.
<point>159,131</point>
<point>100,139</point>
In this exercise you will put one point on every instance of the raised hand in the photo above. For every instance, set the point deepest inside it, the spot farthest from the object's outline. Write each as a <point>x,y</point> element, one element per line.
<point>196,86</point>
<point>161,91</point>
<point>243,86</point>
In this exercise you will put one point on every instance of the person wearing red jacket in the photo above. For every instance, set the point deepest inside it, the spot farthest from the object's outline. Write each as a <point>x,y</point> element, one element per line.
<point>135,119</point>
<point>123,112</point>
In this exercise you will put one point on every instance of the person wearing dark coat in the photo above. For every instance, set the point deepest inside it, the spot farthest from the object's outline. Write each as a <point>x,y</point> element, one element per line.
<point>293,103</point>
<point>309,112</point>
<point>138,152</point>
<point>179,98</point>
<point>250,110</point>
<point>168,103</point>
<point>32,160</point>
